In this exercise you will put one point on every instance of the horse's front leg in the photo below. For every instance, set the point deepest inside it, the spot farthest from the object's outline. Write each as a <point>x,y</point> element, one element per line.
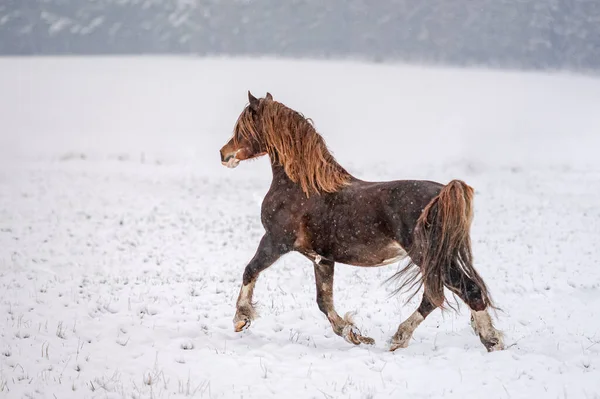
<point>342,327</point>
<point>267,253</point>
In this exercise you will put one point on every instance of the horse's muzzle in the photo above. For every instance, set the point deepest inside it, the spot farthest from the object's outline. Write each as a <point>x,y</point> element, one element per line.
<point>230,160</point>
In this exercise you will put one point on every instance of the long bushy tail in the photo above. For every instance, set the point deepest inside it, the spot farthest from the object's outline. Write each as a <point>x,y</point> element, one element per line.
<point>442,247</point>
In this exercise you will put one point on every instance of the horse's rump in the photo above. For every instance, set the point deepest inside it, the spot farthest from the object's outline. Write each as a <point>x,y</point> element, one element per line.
<point>441,252</point>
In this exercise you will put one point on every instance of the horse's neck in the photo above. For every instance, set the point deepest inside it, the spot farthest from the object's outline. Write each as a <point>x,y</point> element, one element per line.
<point>279,176</point>
<point>282,183</point>
<point>282,180</point>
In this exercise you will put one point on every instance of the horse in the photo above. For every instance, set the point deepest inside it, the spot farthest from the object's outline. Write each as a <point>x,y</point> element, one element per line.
<point>316,208</point>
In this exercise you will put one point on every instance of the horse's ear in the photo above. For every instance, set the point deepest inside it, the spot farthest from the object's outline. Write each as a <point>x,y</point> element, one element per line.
<point>253,101</point>
<point>269,96</point>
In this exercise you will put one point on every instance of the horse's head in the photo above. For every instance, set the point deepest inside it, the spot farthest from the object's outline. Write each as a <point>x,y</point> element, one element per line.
<point>246,143</point>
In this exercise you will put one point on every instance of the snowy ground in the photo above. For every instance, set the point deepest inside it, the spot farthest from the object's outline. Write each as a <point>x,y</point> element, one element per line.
<point>123,240</point>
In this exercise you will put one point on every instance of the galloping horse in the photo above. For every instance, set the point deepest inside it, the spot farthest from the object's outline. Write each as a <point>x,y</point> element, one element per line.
<point>315,207</point>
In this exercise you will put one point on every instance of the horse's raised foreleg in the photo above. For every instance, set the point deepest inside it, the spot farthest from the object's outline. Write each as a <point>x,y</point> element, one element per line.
<point>341,326</point>
<point>408,327</point>
<point>267,253</point>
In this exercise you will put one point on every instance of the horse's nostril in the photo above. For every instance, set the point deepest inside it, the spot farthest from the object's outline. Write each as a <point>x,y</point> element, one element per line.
<point>228,158</point>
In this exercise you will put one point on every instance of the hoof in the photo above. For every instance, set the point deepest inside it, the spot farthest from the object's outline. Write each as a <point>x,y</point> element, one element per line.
<point>496,348</point>
<point>366,340</point>
<point>352,334</point>
<point>398,344</point>
<point>241,325</point>
<point>494,345</point>
<point>243,318</point>
<point>400,339</point>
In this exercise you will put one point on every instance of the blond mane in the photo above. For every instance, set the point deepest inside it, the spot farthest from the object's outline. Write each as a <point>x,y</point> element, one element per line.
<point>292,141</point>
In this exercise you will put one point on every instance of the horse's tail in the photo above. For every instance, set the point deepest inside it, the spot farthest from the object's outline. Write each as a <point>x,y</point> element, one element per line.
<point>442,247</point>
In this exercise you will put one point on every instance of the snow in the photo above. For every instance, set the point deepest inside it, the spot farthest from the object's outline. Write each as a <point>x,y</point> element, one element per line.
<point>123,240</point>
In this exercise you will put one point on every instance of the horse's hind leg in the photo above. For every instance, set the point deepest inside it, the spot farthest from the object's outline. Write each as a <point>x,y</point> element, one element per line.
<point>489,336</point>
<point>342,327</point>
<point>481,320</point>
<point>267,253</point>
<point>407,328</point>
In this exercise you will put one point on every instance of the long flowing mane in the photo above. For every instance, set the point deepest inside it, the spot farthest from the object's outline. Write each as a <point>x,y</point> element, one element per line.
<point>292,141</point>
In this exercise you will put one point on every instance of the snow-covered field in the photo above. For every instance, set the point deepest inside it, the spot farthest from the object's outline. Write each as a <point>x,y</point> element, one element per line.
<point>123,240</point>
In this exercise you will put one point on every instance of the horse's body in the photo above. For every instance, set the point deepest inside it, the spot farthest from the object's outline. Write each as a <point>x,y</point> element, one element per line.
<point>315,207</point>
<point>358,225</point>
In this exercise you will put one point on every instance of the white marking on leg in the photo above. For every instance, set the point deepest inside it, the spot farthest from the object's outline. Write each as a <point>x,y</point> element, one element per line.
<point>412,322</point>
<point>472,322</point>
<point>406,330</point>
<point>245,299</point>
<point>490,337</point>
<point>483,323</point>
<point>245,312</point>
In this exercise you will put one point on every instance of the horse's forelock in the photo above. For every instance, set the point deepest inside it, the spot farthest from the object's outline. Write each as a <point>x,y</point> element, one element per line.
<point>244,126</point>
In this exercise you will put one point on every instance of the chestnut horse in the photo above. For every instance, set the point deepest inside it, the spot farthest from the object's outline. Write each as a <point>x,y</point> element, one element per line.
<point>315,207</point>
